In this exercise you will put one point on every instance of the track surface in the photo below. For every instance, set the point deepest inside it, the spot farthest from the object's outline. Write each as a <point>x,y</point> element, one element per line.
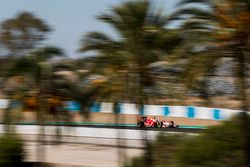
<point>97,131</point>
<point>89,145</point>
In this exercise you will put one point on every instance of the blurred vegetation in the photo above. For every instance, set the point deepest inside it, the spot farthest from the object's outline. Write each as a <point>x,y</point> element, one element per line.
<point>222,30</point>
<point>223,145</point>
<point>162,152</point>
<point>11,151</point>
<point>23,33</point>
<point>214,30</point>
<point>220,146</point>
<point>146,62</point>
<point>142,37</point>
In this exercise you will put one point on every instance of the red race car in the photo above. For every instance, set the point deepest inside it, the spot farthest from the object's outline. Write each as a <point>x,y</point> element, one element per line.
<point>144,122</point>
<point>168,124</point>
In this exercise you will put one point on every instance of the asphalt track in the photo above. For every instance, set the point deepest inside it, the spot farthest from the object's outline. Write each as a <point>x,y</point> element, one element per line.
<point>182,128</point>
<point>98,131</point>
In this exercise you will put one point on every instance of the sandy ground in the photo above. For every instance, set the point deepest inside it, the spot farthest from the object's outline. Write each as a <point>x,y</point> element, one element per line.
<point>131,119</point>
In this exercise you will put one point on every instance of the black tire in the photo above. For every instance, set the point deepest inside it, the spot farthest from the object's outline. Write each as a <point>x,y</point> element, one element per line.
<point>160,124</point>
<point>141,124</point>
<point>155,125</point>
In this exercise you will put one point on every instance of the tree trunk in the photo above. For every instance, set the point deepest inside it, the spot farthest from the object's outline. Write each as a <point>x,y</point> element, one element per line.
<point>41,152</point>
<point>243,96</point>
<point>120,141</point>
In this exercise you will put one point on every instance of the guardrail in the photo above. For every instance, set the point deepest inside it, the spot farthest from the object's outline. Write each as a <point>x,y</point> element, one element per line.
<point>151,110</point>
<point>167,111</point>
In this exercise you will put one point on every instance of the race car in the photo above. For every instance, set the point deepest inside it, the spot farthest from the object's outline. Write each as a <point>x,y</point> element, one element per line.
<point>144,122</point>
<point>168,124</point>
<point>153,122</point>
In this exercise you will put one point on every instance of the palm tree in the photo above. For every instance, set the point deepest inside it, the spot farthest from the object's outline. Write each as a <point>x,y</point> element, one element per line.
<point>222,29</point>
<point>36,72</point>
<point>219,27</point>
<point>142,37</point>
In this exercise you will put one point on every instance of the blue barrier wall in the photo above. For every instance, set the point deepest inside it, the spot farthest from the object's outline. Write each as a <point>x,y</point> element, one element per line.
<point>191,112</point>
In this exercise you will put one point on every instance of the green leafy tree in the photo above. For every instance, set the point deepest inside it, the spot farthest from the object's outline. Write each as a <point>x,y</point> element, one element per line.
<point>23,33</point>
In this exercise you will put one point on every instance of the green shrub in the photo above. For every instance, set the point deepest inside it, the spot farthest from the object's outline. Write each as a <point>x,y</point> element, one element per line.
<point>161,153</point>
<point>11,151</point>
<point>221,146</point>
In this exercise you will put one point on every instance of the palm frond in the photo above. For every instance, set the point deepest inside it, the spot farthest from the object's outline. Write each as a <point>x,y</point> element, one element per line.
<point>157,18</point>
<point>47,52</point>
<point>194,13</point>
<point>198,25</point>
<point>98,41</point>
<point>112,19</point>
<point>199,65</point>
<point>185,2</point>
<point>23,66</point>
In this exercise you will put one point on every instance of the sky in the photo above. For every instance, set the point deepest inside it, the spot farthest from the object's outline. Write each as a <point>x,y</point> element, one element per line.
<point>69,19</point>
